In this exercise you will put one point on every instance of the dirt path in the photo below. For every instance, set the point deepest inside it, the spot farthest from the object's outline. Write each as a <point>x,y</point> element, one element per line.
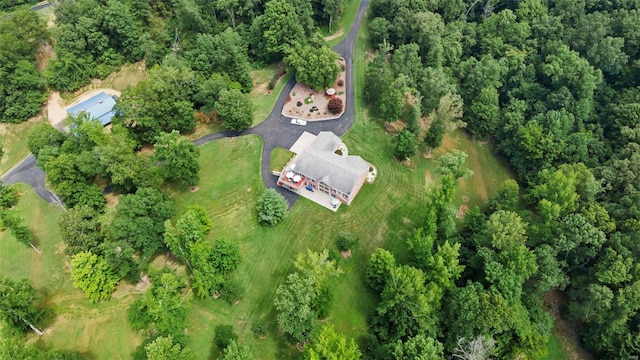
<point>56,110</point>
<point>565,329</point>
<point>334,35</point>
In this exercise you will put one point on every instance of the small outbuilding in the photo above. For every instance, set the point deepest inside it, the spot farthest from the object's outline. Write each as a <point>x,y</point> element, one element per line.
<point>98,107</point>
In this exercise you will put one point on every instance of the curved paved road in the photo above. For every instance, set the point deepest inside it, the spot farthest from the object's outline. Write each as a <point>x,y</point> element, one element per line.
<point>276,130</point>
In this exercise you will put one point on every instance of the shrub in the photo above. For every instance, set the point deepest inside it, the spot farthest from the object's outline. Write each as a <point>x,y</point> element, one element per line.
<point>333,256</point>
<point>273,81</point>
<point>258,330</point>
<point>379,268</point>
<point>8,196</point>
<point>340,82</point>
<point>335,105</point>
<point>299,103</point>
<point>224,335</point>
<point>345,241</point>
<point>406,143</point>
<point>272,208</point>
<point>231,291</point>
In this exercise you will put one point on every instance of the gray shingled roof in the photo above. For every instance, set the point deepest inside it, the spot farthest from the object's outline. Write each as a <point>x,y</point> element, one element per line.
<point>319,162</point>
<point>326,141</point>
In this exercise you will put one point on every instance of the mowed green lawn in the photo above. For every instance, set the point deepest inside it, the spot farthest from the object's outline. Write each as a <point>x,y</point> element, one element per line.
<point>383,214</point>
<point>279,158</point>
<point>101,329</point>
<point>263,99</point>
<point>13,139</point>
<point>344,23</point>
<point>229,187</point>
<point>555,349</point>
<point>489,170</point>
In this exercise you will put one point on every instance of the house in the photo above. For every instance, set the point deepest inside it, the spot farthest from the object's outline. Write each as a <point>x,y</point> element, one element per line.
<point>325,166</point>
<point>99,107</point>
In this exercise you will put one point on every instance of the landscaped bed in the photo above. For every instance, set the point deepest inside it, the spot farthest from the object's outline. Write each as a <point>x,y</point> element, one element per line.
<point>312,105</point>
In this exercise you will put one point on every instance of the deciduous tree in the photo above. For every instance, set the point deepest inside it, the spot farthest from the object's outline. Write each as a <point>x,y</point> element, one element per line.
<point>452,163</point>
<point>225,256</point>
<point>81,230</point>
<point>272,208</point>
<point>405,144</point>
<point>418,347</point>
<point>294,302</point>
<point>332,345</point>
<point>379,268</point>
<point>477,348</point>
<point>314,65</point>
<point>222,53</point>
<point>164,348</point>
<point>18,305</point>
<point>405,309</point>
<point>19,231</point>
<point>43,134</point>
<point>139,220</point>
<point>8,196</point>
<point>224,335</point>
<point>162,103</point>
<point>178,158</point>
<point>235,351</point>
<point>234,109</point>
<point>318,266</point>
<point>506,198</point>
<point>162,310</point>
<point>275,30</point>
<point>91,274</point>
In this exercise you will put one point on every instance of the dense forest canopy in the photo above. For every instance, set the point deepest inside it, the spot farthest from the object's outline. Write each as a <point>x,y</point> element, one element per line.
<point>555,85</point>
<point>10,5</point>
<point>22,90</point>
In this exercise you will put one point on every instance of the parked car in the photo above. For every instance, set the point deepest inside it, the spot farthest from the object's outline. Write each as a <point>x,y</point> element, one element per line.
<point>299,122</point>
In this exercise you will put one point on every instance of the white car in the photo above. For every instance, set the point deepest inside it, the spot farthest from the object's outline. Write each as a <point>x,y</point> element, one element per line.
<point>299,122</point>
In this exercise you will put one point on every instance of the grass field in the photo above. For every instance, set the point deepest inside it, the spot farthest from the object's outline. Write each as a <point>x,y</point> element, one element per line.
<point>490,170</point>
<point>101,329</point>
<point>13,138</point>
<point>279,158</point>
<point>555,349</point>
<point>344,23</point>
<point>127,75</point>
<point>383,214</point>
<point>268,253</point>
<point>262,98</point>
